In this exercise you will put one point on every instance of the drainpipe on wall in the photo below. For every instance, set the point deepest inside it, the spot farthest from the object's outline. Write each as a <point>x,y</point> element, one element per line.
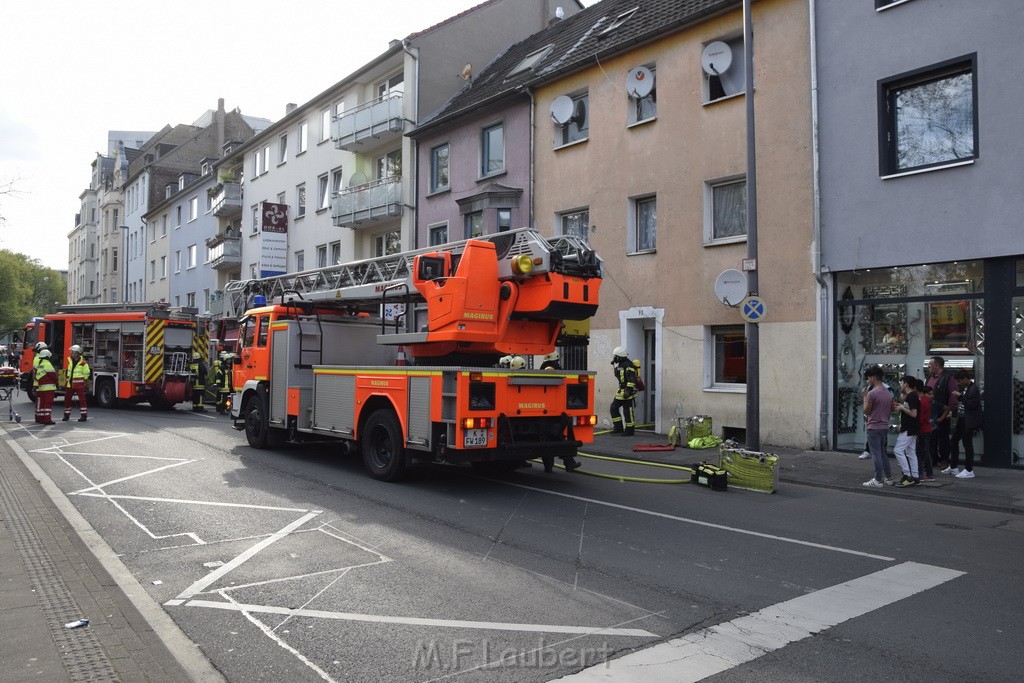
<point>414,173</point>
<point>533,126</point>
<point>820,274</point>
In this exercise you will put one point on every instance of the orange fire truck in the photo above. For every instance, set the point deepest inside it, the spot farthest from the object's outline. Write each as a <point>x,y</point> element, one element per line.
<point>138,352</point>
<point>321,353</point>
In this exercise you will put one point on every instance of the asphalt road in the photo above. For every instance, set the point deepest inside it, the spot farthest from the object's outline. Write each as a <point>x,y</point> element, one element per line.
<point>293,564</point>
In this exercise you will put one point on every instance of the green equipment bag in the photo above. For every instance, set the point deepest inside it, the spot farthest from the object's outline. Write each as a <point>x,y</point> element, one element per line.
<point>752,470</point>
<point>712,476</point>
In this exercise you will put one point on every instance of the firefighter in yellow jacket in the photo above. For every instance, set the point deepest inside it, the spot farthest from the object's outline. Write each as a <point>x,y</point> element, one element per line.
<point>198,370</point>
<point>46,387</point>
<point>74,380</point>
<point>625,397</point>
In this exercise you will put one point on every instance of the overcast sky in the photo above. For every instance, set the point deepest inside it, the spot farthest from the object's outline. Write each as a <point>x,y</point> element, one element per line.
<point>73,70</point>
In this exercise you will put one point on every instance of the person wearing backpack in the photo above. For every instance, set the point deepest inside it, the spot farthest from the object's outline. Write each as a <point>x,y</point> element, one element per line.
<point>625,398</point>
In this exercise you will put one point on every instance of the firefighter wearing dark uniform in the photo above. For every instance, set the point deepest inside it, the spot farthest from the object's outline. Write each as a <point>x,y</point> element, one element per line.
<point>46,388</point>
<point>198,370</point>
<point>76,375</point>
<point>625,397</point>
<point>222,384</point>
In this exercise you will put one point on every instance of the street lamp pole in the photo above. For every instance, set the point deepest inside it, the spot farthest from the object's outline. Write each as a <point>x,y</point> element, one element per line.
<point>753,342</point>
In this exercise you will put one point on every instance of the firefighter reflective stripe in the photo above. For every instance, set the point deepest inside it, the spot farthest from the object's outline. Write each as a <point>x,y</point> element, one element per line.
<point>155,329</point>
<point>46,376</point>
<point>201,340</point>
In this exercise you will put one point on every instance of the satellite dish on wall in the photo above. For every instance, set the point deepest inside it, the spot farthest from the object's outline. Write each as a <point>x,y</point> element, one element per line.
<point>640,82</point>
<point>731,287</point>
<point>716,58</point>
<point>358,178</point>
<point>562,110</point>
<point>467,72</point>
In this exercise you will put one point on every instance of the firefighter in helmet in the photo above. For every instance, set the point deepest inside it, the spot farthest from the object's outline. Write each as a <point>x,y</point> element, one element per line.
<point>551,362</point>
<point>625,397</point>
<point>35,361</point>
<point>76,376</point>
<point>198,370</point>
<point>222,383</point>
<point>46,388</point>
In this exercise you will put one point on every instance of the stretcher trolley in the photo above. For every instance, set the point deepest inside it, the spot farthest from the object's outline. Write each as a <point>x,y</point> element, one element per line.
<point>7,394</point>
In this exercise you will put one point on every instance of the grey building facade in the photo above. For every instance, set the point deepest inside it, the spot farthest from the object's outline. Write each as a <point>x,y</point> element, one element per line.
<point>920,250</point>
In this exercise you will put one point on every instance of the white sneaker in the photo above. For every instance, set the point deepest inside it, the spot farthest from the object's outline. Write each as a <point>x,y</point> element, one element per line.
<point>950,470</point>
<point>966,474</point>
<point>864,456</point>
<point>873,484</point>
<point>889,481</point>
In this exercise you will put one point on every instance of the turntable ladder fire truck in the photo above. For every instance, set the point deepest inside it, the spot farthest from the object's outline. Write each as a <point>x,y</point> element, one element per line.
<point>138,352</point>
<point>321,354</point>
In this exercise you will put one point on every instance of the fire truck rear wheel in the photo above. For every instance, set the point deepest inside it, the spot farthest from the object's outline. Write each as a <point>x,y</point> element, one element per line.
<point>383,450</point>
<point>106,397</point>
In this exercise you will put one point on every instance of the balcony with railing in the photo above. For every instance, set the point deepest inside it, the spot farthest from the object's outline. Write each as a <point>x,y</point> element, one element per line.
<point>368,204</point>
<point>225,252</point>
<point>227,199</point>
<point>372,124</point>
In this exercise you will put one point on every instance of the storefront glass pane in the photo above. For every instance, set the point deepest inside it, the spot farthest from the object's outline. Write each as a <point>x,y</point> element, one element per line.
<point>898,318</point>
<point>1017,421</point>
<point>917,280</point>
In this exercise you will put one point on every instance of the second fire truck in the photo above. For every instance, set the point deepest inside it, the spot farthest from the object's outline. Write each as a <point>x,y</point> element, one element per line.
<point>139,353</point>
<point>321,354</point>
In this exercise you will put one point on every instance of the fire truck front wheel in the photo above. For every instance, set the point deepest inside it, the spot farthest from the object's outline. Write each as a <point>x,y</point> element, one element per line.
<point>257,428</point>
<point>382,445</point>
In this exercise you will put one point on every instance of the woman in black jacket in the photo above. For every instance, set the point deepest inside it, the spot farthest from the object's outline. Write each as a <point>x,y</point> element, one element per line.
<point>968,421</point>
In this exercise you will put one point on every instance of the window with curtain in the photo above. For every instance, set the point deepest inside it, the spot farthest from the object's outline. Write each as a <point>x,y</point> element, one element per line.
<point>728,210</point>
<point>646,237</point>
<point>576,223</point>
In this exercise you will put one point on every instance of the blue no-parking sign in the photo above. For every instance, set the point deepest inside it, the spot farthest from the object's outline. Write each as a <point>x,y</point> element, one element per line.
<point>753,309</point>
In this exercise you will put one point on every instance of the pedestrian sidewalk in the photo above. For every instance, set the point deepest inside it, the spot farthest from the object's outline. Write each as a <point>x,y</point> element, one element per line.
<point>50,576</point>
<point>1000,490</point>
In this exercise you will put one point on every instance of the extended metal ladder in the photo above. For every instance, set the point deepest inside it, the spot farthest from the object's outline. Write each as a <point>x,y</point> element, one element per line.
<point>373,282</point>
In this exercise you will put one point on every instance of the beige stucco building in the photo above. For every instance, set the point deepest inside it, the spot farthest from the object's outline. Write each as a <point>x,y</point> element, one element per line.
<point>660,185</point>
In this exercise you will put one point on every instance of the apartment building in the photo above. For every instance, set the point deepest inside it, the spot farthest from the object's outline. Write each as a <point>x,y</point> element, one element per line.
<point>613,125</point>
<point>338,168</point>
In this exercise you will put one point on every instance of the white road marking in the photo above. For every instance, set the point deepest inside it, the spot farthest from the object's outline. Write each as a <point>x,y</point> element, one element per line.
<point>201,585</point>
<point>710,525</point>
<point>213,503</point>
<point>712,650</point>
<point>296,577</point>
<point>129,477</point>
<point>269,632</point>
<point>416,621</point>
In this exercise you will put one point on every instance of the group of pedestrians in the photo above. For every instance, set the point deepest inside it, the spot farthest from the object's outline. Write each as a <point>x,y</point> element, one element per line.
<point>926,409</point>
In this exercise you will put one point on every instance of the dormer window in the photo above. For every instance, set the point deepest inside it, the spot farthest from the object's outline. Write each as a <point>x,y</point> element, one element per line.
<point>619,21</point>
<point>531,60</point>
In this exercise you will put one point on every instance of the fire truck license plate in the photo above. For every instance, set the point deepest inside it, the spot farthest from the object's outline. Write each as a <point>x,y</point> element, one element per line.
<point>475,437</point>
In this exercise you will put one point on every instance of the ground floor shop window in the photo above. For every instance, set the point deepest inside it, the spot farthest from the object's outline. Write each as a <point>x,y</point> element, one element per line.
<point>898,318</point>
